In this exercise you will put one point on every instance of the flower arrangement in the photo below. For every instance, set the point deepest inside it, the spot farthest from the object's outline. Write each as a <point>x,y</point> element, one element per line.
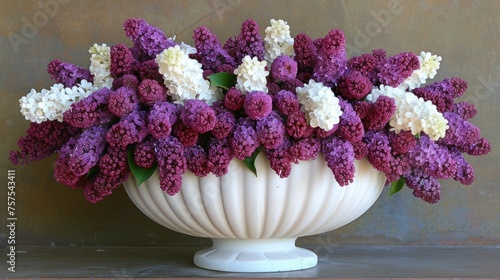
<point>169,106</point>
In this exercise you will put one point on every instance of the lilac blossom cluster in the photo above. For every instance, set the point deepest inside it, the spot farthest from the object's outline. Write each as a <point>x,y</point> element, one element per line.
<point>294,99</point>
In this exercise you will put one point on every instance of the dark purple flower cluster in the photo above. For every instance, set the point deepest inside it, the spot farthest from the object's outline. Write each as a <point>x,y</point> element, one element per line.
<point>67,74</point>
<point>41,140</point>
<point>248,42</point>
<point>122,61</point>
<point>171,163</point>
<point>209,51</point>
<point>79,155</point>
<point>137,120</point>
<point>92,110</point>
<point>331,58</point>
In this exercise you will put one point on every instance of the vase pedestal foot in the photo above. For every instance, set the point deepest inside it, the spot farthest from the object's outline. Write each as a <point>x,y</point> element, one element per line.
<point>255,255</point>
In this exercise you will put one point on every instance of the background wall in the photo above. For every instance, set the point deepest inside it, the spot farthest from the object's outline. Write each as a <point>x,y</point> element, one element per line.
<point>465,33</point>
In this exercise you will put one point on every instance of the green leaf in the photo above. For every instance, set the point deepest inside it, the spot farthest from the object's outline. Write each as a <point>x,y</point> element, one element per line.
<point>250,161</point>
<point>141,174</point>
<point>417,135</point>
<point>223,80</point>
<point>397,185</point>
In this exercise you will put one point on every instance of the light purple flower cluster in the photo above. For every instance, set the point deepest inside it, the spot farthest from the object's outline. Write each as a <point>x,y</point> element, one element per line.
<point>138,120</point>
<point>149,40</point>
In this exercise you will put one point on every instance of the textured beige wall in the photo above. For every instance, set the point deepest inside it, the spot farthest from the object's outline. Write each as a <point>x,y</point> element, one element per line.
<point>465,33</point>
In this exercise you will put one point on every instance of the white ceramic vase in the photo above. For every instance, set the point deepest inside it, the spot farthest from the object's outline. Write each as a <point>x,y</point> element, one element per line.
<point>254,221</point>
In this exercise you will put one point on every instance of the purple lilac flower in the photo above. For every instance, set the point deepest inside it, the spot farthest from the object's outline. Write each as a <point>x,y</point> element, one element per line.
<point>379,152</point>
<point>270,131</point>
<point>171,163</point>
<point>234,99</point>
<point>153,41</point>
<point>305,149</point>
<point>258,104</point>
<point>67,74</point>
<point>292,84</point>
<point>339,157</point>
<point>465,172</point>
<point>331,62</point>
<point>380,113</point>
<point>162,116</point>
<point>286,102</point>
<point>459,133</point>
<point>41,140</point>
<point>78,155</point>
<point>127,80</point>
<point>130,129</point>
<point>220,155</point>
<point>135,28</point>
<point>443,103</point>
<point>198,115</point>
<point>465,110</point>
<point>225,121</point>
<point>273,87</point>
<point>114,162</point>
<point>62,169</point>
<point>244,141</point>
<point>123,101</point>
<point>185,134</point>
<point>228,68</point>
<point>363,64</point>
<point>92,110</point>
<point>318,43</point>
<point>209,51</point>
<point>398,165</point>
<point>296,125</point>
<point>144,153</point>
<point>197,161</point>
<point>321,133</point>
<point>401,142</point>
<point>478,148</point>
<point>354,85</point>
<point>87,149</point>
<point>150,70</point>
<point>394,70</point>
<point>362,108</point>
<point>100,186</point>
<point>283,68</point>
<point>379,54</point>
<point>450,87</point>
<point>350,127</point>
<point>423,185</point>
<point>150,91</point>
<point>280,160</point>
<point>305,52</point>
<point>122,61</point>
<point>434,159</point>
<point>360,150</point>
<point>248,42</point>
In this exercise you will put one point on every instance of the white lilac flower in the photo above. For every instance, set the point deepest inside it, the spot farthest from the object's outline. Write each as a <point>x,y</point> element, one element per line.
<point>100,62</point>
<point>251,75</point>
<point>320,105</point>
<point>412,113</point>
<point>429,64</point>
<point>49,105</point>
<point>278,40</point>
<point>184,76</point>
